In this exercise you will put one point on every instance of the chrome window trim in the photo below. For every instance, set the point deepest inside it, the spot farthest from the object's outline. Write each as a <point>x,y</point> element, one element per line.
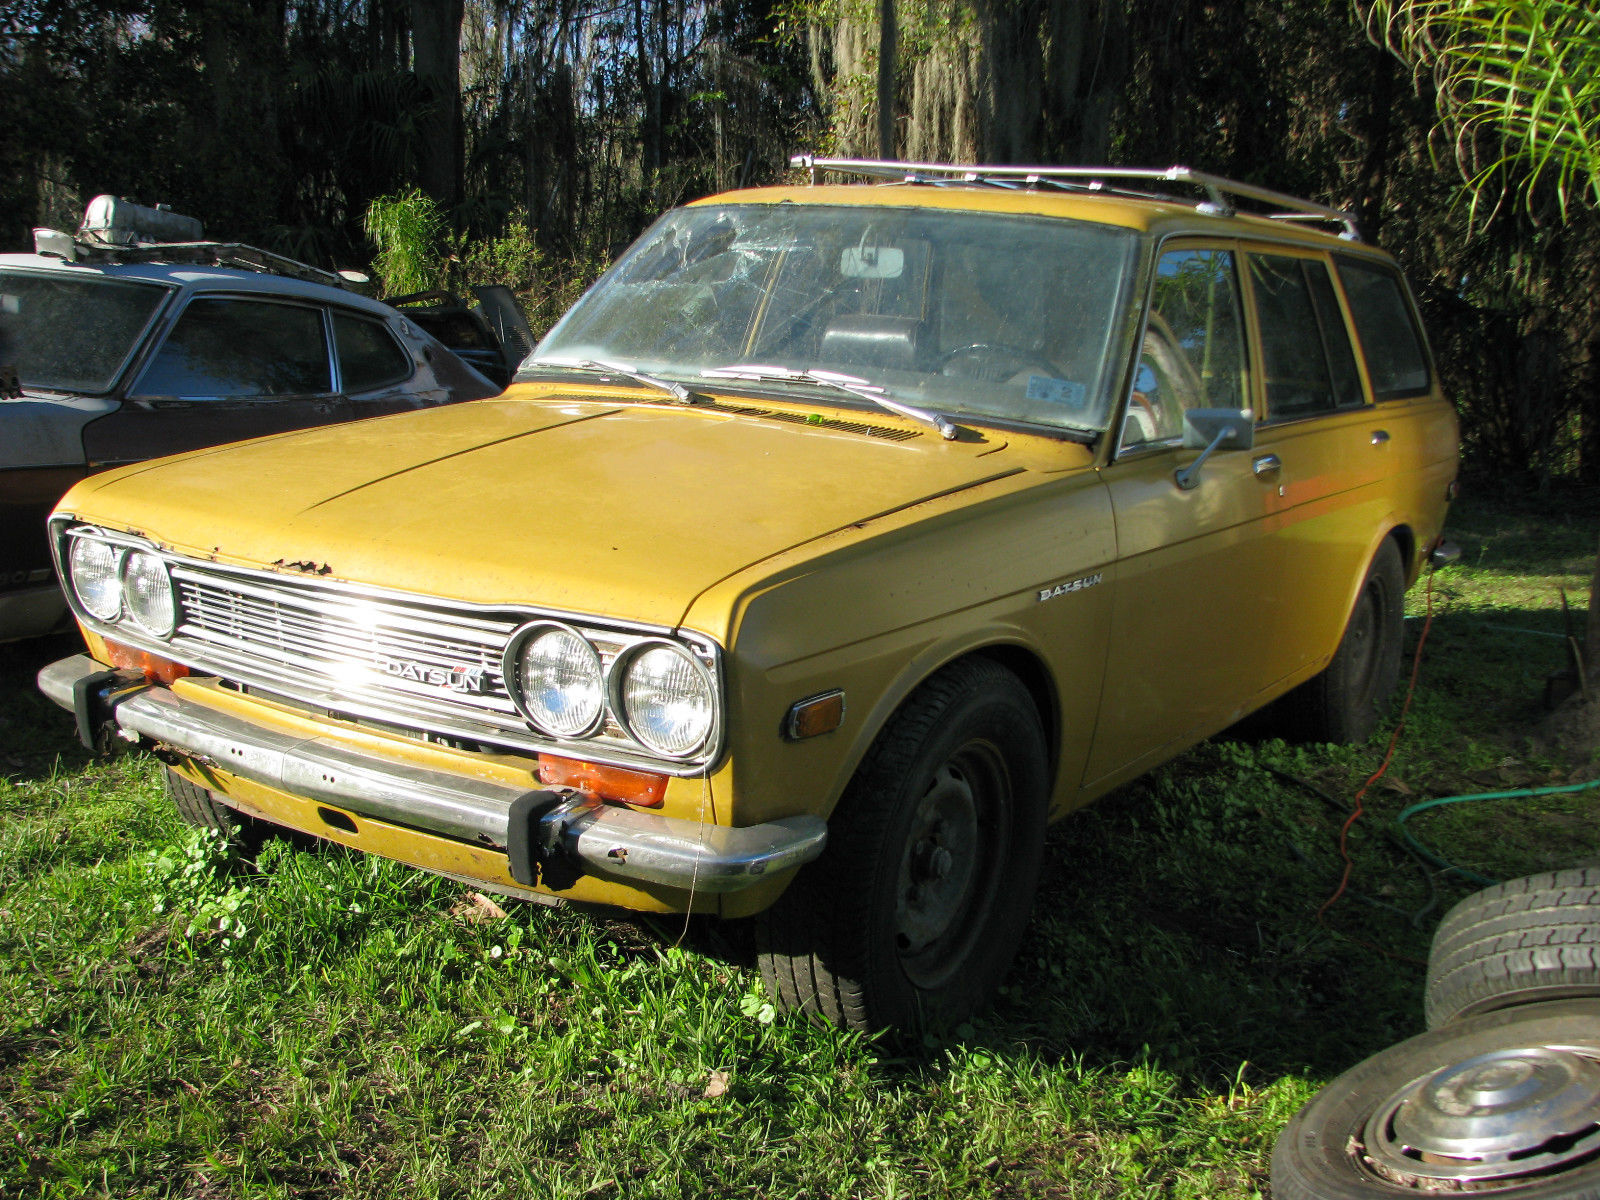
<point>429,713</point>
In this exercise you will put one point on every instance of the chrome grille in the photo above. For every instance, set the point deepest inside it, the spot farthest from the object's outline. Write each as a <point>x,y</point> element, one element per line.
<point>427,661</point>
<point>415,663</point>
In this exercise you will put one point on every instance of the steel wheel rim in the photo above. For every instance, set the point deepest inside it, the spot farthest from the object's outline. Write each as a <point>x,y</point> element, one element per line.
<point>1489,1121</point>
<point>1366,634</point>
<point>948,871</point>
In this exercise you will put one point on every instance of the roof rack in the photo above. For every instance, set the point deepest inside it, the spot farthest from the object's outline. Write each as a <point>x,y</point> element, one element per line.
<point>1219,194</point>
<point>116,230</point>
<point>202,254</point>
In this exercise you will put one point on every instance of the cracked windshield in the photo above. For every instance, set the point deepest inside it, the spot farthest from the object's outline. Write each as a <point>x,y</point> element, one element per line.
<point>980,314</point>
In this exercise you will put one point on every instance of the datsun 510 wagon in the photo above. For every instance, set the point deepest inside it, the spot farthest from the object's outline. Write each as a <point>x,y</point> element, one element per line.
<point>842,536</point>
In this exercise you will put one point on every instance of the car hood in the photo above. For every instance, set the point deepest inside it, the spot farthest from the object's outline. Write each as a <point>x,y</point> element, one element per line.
<point>584,504</point>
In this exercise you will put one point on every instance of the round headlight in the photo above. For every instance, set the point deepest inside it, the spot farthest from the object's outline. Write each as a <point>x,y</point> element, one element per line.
<point>562,686</point>
<point>147,593</point>
<point>93,564</point>
<point>667,700</point>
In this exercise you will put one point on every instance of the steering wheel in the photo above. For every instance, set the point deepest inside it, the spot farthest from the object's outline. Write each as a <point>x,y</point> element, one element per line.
<point>992,362</point>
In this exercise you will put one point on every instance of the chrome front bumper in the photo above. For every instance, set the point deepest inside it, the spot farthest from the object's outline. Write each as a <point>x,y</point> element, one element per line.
<point>608,840</point>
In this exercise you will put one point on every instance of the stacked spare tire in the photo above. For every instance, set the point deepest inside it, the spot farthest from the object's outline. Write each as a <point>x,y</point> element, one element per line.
<point>1501,1096</point>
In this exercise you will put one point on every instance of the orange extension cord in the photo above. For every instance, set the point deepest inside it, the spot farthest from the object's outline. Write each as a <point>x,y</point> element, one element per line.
<point>1388,756</point>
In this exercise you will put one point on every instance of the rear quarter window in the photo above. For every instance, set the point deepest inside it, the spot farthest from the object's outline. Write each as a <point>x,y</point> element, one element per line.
<point>369,357</point>
<point>1390,339</point>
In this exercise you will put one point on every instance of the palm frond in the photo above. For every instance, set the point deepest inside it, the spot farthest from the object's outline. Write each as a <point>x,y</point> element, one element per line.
<point>1518,83</point>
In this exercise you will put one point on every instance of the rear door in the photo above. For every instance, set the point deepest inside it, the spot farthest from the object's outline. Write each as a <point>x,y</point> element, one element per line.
<point>1329,451</point>
<point>230,367</point>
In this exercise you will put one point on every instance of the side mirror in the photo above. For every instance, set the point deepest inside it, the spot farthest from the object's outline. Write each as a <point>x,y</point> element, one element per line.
<point>1209,429</point>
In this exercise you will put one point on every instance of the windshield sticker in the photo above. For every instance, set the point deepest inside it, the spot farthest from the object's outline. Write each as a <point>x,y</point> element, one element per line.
<point>1066,392</point>
<point>1072,585</point>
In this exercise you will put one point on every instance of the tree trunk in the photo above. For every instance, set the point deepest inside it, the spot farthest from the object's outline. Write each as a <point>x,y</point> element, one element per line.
<point>886,57</point>
<point>1591,635</point>
<point>436,62</point>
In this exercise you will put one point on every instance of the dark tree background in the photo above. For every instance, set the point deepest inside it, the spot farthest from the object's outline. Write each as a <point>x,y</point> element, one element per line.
<point>576,121</point>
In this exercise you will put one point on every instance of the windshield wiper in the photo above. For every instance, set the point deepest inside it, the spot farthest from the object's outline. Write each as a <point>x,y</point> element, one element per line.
<point>605,367</point>
<point>854,384</point>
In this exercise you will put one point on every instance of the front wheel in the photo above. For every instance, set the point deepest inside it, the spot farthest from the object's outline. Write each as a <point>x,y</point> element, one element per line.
<point>1506,1104</point>
<point>916,908</point>
<point>243,835</point>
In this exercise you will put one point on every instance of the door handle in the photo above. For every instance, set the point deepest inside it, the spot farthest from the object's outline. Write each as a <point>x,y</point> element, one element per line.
<point>1380,436</point>
<point>1267,464</point>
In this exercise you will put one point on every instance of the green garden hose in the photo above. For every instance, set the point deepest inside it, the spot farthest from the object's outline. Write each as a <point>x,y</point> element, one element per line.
<point>1446,865</point>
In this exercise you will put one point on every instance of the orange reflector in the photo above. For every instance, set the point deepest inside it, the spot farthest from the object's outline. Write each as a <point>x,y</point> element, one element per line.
<point>155,668</point>
<point>817,715</point>
<point>609,783</point>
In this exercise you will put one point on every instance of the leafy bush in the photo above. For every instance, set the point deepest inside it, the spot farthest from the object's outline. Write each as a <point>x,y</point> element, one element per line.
<point>409,232</point>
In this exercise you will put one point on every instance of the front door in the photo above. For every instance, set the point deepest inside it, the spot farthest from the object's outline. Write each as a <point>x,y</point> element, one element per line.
<point>1196,576</point>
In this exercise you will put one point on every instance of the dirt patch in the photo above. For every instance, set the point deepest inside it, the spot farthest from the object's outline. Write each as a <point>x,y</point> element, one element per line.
<point>1572,732</point>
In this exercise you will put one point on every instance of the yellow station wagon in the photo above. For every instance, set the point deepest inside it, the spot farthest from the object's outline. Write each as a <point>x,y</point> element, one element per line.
<point>839,538</point>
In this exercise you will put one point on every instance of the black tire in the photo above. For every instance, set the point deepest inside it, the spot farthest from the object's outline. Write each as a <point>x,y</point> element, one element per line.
<point>915,910</point>
<point>197,806</point>
<point>1503,1104</point>
<point>1526,940</point>
<point>1344,702</point>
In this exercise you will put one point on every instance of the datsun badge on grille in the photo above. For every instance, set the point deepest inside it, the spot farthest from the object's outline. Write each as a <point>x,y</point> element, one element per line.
<point>472,680</point>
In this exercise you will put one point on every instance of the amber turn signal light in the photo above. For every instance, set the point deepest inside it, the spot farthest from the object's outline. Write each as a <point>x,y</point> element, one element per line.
<point>815,715</point>
<point>638,788</point>
<point>155,668</point>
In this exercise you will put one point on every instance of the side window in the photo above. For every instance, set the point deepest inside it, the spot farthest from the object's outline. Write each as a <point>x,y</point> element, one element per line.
<point>1305,349</point>
<point>227,348</point>
<point>369,357</point>
<point>1192,355</point>
<point>1388,332</point>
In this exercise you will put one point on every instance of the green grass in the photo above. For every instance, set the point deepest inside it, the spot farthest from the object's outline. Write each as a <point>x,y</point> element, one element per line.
<point>340,1026</point>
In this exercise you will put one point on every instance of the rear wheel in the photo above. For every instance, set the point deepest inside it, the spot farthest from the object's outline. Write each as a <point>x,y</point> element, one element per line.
<point>915,910</point>
<point>1345,701</point>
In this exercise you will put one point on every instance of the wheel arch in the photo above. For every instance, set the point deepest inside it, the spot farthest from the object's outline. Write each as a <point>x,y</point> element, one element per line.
<point>1405,539</point>
<point>1405,543</point>
<point>1029,667</point>
<point>1005,650</point>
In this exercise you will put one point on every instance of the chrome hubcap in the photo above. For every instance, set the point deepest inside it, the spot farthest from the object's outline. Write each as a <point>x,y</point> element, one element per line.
<point>1493,1118</point>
